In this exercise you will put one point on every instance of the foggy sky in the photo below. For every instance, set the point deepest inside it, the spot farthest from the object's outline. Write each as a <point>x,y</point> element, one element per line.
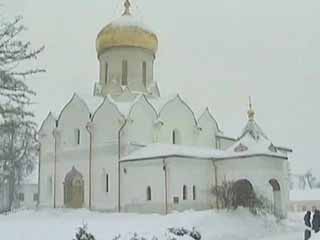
<point>214,53</point>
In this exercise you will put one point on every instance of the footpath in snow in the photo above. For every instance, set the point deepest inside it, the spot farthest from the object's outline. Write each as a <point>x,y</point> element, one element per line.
<point>213,225</point>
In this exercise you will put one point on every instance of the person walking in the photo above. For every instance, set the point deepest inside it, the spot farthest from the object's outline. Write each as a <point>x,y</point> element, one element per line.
<point>307,222</point>
<point>316,221</point>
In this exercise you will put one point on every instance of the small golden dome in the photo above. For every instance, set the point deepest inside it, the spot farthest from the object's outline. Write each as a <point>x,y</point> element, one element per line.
<point>126,32</point>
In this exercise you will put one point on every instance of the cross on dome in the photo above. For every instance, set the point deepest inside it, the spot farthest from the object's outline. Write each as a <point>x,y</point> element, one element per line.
<point>127,6</point>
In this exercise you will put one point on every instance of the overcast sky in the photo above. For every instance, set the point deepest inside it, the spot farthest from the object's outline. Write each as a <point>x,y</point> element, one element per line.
<point>214,53</point>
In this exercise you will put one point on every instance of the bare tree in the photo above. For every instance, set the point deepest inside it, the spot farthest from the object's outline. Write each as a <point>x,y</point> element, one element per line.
<point>17,128</point>
<point>225,194</point>
<point>310,179</point>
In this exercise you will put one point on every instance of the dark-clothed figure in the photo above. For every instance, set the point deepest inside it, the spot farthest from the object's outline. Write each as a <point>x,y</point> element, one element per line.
<point>307,222</point>
<point>316,221</point>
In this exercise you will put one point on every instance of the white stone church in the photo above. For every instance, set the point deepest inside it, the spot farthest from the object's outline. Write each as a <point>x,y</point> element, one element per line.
<point>129,149</point>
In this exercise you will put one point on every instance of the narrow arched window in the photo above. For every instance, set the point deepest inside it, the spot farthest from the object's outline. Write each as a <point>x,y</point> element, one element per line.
<point>77,136</point>
<point>184,192</point>
<point>176,137</point>
<point>106,74</point>
<point>107,183</point>
<point>194,192</point>
<point>144,73</point>
<point>124,81</point>
<point>149,197</point>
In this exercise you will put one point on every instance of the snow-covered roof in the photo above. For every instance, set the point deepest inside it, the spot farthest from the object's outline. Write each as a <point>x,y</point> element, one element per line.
<point>158,150</point>
<point>253,141</point>
<point>130,21</point>
<point>124,107</point>
<point>248,145</point>
<point>254,130</point>
<point>305,195</point>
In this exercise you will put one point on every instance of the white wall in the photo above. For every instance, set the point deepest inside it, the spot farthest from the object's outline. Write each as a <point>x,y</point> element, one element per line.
<point>105,161</point>
<point>141,128</point>
<point>190,172</point>
<point>134,183</point>
<point>137,176</point>
<point>106,124</point>
<point>47,149</point>
<point>75,115</point>
<point>259,171</point>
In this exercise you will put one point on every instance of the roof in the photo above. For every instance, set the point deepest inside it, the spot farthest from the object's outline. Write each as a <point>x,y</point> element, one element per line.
<point>248,145</point>
<point>305,195</point>
<point>253,141</point>
<point>254,130</point>
<point>158,150</point>
<point>124,107</point>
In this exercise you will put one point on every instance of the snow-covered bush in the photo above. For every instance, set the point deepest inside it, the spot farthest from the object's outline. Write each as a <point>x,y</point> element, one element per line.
<point>82,234</point>
<point>133,236</point>
<point>262,206</point>
<point>182,232</point>
<point>171,234</point>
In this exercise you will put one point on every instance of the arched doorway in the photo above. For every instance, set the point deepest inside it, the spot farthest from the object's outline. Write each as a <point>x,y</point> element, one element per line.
<point>244,195</point>
<point>276,197</point>
<point>73,189</point>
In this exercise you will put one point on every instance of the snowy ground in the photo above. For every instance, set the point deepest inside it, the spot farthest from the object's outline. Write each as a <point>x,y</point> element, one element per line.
<point>213,225</point>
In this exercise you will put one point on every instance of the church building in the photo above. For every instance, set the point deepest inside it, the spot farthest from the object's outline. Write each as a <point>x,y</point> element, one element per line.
<point>129,149</point>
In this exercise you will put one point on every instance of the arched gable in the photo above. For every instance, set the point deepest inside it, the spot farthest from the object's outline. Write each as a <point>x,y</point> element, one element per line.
<point>206,116</point>
<point>178,100</point>
<point>177,115</point>
<point>142,101</point>
<point>142,116</point>
<point>45,133</point>
<point>72,122</point>
<point>48,124</point>
<point>76,103</point>
<point>107,120</point>
<point>209,129</point>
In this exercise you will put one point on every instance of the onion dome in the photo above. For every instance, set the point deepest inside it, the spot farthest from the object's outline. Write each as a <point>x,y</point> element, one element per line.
<point>252,128</point>
<point>126,31</point>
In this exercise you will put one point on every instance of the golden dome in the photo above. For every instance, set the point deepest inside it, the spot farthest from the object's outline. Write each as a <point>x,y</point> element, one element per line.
<point>126,32</point>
